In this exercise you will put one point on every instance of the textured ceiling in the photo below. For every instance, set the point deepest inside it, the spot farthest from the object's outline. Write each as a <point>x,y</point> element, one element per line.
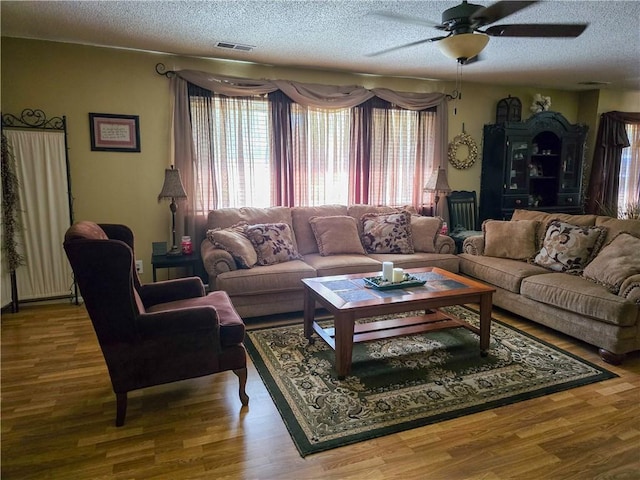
<point>338,35</point>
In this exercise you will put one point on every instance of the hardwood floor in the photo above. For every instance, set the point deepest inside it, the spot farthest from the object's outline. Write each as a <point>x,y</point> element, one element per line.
<point>58,413</point>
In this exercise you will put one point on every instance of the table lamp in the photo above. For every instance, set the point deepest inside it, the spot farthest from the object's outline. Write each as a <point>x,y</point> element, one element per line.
<point>172,189</point>
<point>437,184</point>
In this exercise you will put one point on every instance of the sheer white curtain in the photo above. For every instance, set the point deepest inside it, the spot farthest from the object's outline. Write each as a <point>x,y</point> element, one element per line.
<point>44,213</point>
<point>320,155</point>
<point>629,189</point>
<point>231,142</point>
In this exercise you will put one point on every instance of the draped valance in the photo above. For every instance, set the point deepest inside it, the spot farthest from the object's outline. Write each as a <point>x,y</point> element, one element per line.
<point>310,94</point>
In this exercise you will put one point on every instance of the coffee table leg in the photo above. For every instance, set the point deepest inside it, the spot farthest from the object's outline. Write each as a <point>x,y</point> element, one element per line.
<point>485,323</point>
<point>344,325</point>
<point>309,313</point>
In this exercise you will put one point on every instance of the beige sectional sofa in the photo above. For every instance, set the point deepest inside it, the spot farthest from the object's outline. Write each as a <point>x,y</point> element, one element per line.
<point>334,248</point>
<point>598,303</point>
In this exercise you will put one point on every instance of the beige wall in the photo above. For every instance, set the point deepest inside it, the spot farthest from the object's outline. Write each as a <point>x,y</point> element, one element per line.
<point>73,80</point>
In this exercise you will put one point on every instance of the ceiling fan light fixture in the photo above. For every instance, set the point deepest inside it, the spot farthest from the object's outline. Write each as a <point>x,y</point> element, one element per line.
<point>463,46</point>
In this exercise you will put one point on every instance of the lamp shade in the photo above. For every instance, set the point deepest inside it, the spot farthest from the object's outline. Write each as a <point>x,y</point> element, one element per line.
<point>463,46</point>
<point>172,187</point>
<point>437,182</point>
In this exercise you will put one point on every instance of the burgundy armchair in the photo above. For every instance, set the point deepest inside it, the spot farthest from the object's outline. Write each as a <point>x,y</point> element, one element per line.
<point>155,333</point>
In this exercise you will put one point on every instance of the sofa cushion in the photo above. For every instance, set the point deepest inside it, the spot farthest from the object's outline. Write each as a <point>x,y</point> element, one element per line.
<point>616,225</point>
<point>305,239</point>
<point>387,232</point>
<point>336,234</point>
<point>226,217</point>
<point>516,239</point>
<point>502,272</point>
<point>424,231</point>
<point>615,263</point>
<point>581,296</point>
<point>273,243</point>
<point>569,248</point>
<point>446,261</point>
<point>234,241</point>
<point>280,277</point>
<point>342,264</point>
<point>545,217</point>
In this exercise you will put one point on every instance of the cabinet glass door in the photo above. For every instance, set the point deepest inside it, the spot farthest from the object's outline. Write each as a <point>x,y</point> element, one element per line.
<point>516,167</point>
<point>570,170</point>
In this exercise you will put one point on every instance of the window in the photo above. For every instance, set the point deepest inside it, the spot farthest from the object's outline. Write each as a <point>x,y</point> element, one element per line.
<point>235,143</point>
<point>321,155</point>
<point>629,180</point>
<point>231,138</point>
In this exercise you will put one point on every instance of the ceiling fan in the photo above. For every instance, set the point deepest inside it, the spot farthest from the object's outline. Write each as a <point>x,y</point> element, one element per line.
<point>465,23</point>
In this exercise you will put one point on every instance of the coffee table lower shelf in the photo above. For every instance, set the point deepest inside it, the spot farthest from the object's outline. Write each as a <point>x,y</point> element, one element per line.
<point>431,321</point>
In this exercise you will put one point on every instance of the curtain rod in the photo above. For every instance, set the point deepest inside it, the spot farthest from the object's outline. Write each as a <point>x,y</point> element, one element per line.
<point>161,69</point>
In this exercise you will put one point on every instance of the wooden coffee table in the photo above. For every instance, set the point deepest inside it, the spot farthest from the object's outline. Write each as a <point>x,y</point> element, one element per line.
<point>347,299</point>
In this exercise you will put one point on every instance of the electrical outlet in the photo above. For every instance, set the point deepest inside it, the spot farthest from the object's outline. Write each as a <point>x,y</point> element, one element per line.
<point>139,268</point>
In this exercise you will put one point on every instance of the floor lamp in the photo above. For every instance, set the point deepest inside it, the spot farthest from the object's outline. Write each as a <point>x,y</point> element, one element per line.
<point>172,189</point>
<point>437,184</point>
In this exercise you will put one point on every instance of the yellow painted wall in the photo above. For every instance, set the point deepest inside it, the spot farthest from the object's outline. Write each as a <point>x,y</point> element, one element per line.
<point>73,80</point>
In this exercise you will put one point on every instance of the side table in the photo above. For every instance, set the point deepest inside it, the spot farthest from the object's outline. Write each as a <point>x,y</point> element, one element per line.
<point>175,261</point>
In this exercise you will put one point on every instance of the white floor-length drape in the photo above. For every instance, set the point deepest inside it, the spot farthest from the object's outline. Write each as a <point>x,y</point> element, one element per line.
<point>5,279</point>
<point>41,169</point>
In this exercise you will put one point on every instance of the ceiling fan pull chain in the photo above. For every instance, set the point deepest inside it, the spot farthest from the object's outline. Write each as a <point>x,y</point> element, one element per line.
<point>458,87</point>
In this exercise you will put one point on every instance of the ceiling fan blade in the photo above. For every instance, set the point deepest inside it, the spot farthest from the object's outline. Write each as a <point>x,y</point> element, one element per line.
<point>536,30</point>
<point>407,19</point>
<point>497,11</point>
<point>392,49</point>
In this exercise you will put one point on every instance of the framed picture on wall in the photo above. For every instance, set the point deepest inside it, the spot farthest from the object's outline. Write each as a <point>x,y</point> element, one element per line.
<point>114,133</point>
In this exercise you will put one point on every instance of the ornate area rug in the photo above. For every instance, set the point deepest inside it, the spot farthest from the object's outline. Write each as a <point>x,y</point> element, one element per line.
<point>405,382</point>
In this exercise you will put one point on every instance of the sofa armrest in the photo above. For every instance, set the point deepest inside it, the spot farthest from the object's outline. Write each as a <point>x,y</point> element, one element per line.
<point>444,244</point>
<point>216,261</point>
<point>473,245</point>
<point>630,288</point>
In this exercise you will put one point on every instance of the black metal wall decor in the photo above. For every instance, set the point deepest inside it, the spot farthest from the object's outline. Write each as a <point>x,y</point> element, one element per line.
<point>37,119</point>
<point>509,110</point>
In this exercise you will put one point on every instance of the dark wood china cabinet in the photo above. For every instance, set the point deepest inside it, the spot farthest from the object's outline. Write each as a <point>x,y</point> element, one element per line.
<point>536,164</point>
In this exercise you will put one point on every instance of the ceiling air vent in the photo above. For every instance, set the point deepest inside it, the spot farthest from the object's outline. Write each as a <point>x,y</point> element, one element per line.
<point>235,46</point>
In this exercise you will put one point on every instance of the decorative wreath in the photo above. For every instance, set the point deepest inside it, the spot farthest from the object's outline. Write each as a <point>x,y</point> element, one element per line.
<point>463,139</point>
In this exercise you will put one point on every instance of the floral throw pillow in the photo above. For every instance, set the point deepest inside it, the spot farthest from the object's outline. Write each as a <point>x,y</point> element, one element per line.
<point>387,232</point>
<point>569,248</point>
<point>273,242</point>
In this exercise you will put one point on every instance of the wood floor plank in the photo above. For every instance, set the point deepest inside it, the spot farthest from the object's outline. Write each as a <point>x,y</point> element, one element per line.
<point>58,413</point>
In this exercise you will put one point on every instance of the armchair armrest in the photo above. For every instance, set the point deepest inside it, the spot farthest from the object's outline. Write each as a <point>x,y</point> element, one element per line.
<point>216,261</point>
<point>630,289</point>
<point>473,245</point>
<point>171,290</point>
<point>444,244</point>
<point>189,320</point>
